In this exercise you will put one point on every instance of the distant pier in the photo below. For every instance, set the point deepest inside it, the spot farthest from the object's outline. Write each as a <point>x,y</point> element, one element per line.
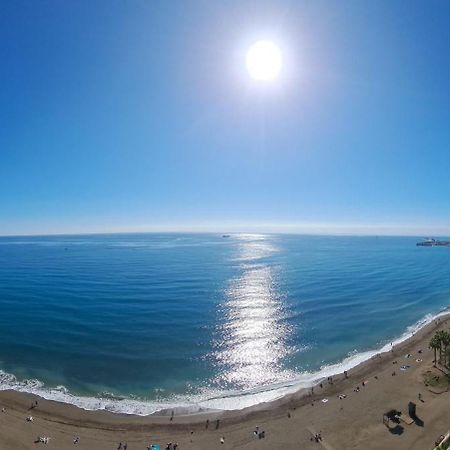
<point>433,243</point>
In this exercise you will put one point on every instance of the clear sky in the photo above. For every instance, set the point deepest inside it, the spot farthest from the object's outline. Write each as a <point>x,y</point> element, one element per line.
<point>140,115</point>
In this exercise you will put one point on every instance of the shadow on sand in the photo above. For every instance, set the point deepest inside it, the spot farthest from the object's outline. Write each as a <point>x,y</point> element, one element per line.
<point>412,413</point>
<point>398,429</point>
<point>419,422</point>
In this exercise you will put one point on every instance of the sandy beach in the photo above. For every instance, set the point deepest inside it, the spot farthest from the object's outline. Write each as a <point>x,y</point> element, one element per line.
<point>348,414</point>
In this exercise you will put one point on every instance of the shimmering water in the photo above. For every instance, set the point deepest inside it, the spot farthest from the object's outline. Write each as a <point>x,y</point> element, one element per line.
<point>168,319</point>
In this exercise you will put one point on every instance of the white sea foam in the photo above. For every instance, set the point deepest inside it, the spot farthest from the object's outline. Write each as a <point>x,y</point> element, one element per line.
<point>208,400</point>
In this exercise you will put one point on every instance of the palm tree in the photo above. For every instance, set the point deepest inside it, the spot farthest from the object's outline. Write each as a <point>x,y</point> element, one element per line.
<point>445,340</point>
<point>435,344</point>
<point>440,336</point>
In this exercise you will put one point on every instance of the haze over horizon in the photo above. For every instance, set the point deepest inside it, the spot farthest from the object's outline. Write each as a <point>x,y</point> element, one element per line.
<point>319,229</point>
<point>143,117</point>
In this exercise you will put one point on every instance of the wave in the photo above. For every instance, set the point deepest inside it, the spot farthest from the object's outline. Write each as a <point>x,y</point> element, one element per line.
<point>208,400</point>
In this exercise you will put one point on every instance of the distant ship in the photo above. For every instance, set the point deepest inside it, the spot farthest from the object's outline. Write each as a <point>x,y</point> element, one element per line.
<point>225,235</point>
<point>433,243</point>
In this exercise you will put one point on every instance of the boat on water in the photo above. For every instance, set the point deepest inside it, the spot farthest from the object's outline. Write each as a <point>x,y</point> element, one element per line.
<point>225,235</point>
<point>433,243</point>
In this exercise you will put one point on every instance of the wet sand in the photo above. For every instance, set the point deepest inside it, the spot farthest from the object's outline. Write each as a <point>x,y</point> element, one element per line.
<point>353,422</point>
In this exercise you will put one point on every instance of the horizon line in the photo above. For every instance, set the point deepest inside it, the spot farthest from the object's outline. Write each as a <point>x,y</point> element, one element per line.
<point>225,232</point>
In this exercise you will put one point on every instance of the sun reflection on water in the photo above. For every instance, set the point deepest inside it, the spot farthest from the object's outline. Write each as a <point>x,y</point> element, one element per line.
<point>253,332</point>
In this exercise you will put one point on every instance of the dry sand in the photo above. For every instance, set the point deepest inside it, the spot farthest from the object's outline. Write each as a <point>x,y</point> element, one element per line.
<point>354,422</point>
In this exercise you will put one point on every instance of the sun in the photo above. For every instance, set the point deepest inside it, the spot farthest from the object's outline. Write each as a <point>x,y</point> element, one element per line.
<point>264,61</point>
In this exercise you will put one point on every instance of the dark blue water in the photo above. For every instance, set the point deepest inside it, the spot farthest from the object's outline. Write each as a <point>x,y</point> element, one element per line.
<point>164,319</point>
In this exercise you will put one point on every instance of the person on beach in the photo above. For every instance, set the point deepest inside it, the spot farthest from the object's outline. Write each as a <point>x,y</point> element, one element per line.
<point>171,415</point>
<point>207,424</point>
<point>217,424</point>
<point>222,440</point>
<point>120,446</point>
<point>76,440</point>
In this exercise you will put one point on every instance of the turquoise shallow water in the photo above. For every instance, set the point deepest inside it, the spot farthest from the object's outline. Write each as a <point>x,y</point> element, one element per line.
<point>140,322</point>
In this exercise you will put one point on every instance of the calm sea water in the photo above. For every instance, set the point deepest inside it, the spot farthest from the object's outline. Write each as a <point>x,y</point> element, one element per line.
<point>145,321</point>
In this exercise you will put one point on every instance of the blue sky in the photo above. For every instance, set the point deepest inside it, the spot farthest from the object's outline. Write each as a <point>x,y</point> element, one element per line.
<point>140,115</point>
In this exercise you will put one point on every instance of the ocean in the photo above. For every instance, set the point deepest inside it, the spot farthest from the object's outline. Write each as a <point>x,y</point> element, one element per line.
<point>138,323</point>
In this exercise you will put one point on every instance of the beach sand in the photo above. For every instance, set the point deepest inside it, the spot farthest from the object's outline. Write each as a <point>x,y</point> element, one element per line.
<point>354,422</point>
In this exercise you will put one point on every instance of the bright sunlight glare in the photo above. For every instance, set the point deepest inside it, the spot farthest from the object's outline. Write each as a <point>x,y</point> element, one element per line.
<point>263,61</point>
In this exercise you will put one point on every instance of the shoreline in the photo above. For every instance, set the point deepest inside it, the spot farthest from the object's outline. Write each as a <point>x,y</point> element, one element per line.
<point>292,388</point>
<point>288,419</point>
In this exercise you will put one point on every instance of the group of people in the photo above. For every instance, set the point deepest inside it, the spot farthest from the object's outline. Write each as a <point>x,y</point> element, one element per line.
<point>317,437</point>
<point>259,433</point>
